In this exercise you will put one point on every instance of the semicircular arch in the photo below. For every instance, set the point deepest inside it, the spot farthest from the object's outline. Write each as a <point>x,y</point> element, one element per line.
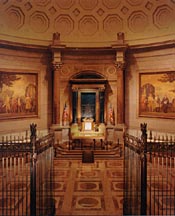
<point>88,74</point>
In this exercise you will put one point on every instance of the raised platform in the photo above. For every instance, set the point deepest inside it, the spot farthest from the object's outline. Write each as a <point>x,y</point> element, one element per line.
<point>115,152</point>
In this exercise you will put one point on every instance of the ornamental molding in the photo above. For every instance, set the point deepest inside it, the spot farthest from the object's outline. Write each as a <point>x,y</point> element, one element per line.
<point>120,65</point>
<point>56,65</point>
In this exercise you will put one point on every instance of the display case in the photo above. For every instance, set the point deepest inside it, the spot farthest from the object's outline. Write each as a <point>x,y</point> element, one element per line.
<point>88,124</point>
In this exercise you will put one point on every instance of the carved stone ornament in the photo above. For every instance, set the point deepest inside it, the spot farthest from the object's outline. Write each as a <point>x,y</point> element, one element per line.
<point>74,89</point>
<point>56,65</point>
<point>120,36</point>
<point>56,38</point>
<point>120,65</point>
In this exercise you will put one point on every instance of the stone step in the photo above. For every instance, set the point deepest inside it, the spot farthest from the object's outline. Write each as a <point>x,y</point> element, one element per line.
<point>77,153</point>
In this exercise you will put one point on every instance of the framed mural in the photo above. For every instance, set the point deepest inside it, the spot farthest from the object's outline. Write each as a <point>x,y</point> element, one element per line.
<point>18,95</point>
<point>157,94</point>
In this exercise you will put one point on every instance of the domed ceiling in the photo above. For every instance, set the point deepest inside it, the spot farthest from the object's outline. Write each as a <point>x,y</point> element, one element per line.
<point>87,22</point>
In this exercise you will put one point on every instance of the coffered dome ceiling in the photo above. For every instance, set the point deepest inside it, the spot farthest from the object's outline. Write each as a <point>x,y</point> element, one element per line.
<point>87,22</point>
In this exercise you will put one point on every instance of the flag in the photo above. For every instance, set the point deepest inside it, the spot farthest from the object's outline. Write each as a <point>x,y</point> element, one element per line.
<point>111,115</point>
<point>65,114</point>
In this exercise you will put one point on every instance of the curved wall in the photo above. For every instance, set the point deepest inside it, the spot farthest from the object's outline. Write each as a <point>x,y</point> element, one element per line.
<point>148,62</point>
<point>138,60</point>
<point>28,61</point>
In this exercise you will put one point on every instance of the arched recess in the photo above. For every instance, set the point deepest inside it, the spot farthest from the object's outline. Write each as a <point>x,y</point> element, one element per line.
<point>88,96</point>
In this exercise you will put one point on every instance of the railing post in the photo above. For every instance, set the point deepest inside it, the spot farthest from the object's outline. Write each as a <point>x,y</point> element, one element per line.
<point>144,169</point>
<point>33,170</point>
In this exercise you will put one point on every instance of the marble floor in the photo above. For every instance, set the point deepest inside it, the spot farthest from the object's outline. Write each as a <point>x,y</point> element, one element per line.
<point>91,189</point>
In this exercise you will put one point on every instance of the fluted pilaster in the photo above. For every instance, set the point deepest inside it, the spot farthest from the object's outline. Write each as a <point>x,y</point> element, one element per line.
<point>56,92</point>
<point>120,91</point>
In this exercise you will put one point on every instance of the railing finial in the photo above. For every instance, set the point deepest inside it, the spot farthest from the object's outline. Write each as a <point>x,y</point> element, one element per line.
<point>143,128</point>
<point>33,130</point>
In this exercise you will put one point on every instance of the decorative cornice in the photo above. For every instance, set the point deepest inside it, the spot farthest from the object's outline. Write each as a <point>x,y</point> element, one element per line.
<point>23,46</point>
<point>152,46</point>
<point>124,47</point>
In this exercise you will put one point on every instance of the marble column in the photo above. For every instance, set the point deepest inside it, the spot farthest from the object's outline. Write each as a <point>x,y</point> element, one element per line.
<point>102,104</point>
<point>56,93</point>
<point>120,48</point>
<point>74,106</point>
<point>97,114</point>
<point>120,92</point>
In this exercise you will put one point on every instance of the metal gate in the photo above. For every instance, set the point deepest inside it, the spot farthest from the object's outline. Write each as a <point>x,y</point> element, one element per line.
<point>149,170</point>
<point>26,167</point>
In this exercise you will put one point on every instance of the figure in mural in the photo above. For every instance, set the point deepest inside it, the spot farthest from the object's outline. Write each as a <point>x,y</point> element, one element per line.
<point>157,94</point>
<point>14,105</point>
<point>18,94</point>
<point>19,104</point>
<point>165,104</point>
<point>30,98</point>
<point>157,103</point>
<point>7,104</point>
<point>28,102</point>
<point>144,103</point>
<point>150,103</point>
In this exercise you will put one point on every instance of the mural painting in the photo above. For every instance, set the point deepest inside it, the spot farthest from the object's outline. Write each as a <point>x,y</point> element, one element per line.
<point>157,94</point>
<point>18,95</point>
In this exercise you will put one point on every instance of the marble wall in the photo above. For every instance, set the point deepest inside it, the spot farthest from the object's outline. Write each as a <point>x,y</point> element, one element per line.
<point>21,60</point>
<point>158,59</point>
<point>138,60</point>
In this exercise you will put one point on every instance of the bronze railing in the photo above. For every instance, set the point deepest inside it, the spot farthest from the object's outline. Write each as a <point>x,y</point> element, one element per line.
<point>149,170</point>
<point>26,166</point>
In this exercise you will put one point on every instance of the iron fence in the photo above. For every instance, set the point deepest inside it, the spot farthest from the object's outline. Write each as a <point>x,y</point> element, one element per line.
<point>149,170</point>
<point>26,167</point>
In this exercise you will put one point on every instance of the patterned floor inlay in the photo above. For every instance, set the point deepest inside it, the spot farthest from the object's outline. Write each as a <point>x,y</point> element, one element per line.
<point>58,202</point>
<point>88,165</point>
<point>117,186</point>
<point>59,186</point>
<point>88,203</point>
<point>94,189</point>
<point>118,202</point>
<point>114,164</point>
<point>62,164</point>
<point>115,173</point>
<point>88,174</point>
<point>62,173</point>
<point>88,186</point>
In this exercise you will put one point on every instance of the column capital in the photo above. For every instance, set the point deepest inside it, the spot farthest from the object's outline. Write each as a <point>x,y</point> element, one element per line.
<point>120,65</point>
<point>101,89</point>
<point>56,65</point>
<point>74,89</point>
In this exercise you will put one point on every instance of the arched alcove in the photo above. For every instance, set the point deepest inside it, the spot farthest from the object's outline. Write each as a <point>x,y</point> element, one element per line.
<point>88,75</point>
<point>88,96</point>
